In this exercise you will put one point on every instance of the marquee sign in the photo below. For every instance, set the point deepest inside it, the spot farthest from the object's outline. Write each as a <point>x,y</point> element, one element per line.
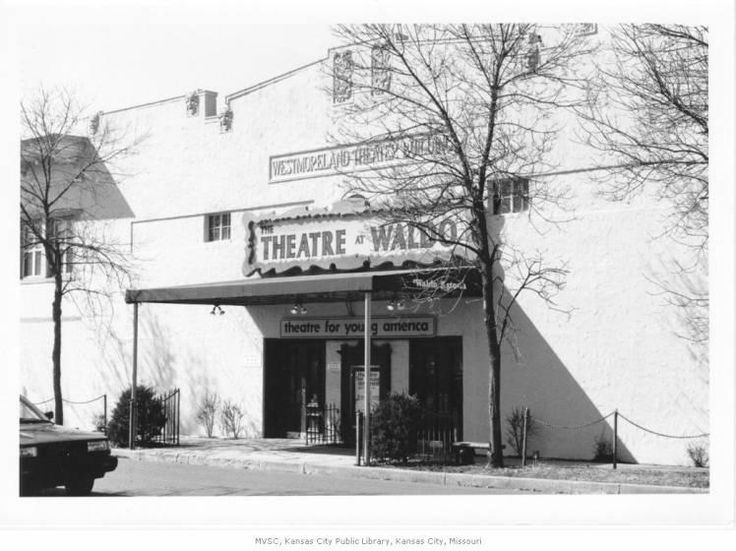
<point>343,243</point>
<point>353,158</point>
<point>352,328</point>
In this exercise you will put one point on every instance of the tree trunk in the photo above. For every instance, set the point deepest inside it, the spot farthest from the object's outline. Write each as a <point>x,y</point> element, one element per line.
<point>56,352</point>
<point>494,368</point>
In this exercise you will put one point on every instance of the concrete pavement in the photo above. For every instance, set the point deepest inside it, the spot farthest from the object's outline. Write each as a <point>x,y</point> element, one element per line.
<point>288,455</point>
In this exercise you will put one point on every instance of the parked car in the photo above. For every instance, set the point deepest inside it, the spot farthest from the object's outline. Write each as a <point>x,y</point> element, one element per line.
<point>52,455</point>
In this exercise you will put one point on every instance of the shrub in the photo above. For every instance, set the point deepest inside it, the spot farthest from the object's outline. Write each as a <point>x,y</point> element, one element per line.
<point>603,452</point>
<point>698,452</point>
<point>394,426</point>
<point>515,430</point>
<point>98,422</point>
<point>151,417</point>
<point>231,419</point>
<point>207,412</point>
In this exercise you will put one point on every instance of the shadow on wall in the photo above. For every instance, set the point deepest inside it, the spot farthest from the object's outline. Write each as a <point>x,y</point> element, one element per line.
<point>156,358</point>
<point>683,289</point>
<point>554,397</point>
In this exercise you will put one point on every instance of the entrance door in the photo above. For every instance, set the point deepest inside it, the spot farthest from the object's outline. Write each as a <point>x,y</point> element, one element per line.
<point>436,377</point>
<point>352,356</point>
<point>294,374</point>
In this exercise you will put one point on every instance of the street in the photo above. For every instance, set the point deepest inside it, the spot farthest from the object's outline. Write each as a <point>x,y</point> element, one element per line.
<point>142,478</point>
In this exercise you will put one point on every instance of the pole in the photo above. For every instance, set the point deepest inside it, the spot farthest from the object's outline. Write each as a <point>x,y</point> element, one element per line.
<point>357,438</point>
<point>615,435</point>
<point>178,414</point>
<point>104,411</point>
<point>523,437</point>
<point>367,377</point>
<point>131,420</point>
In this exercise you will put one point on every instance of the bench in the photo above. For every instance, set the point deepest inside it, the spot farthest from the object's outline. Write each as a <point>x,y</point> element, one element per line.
<point>464,452</point>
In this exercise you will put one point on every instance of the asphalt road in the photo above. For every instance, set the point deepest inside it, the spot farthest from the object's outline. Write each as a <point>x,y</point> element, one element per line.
<point>142,478</point>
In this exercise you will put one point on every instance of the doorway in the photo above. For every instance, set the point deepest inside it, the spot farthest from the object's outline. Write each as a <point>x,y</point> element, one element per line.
<point>352,355</point>
<point>294,374</point>
<point>436,378</point>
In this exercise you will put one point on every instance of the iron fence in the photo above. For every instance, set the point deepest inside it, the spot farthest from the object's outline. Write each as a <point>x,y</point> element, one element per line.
<point>323,424</point>
<point>436,436</point>
<point>169,434</point>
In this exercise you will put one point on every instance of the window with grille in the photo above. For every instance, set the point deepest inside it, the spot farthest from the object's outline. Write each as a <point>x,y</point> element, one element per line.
<point>218,227</point>
<point>510,195</point>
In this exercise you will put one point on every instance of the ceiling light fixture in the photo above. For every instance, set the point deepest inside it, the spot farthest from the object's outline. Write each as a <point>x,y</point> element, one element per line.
<point>395,304</point>
<point>298,309</point>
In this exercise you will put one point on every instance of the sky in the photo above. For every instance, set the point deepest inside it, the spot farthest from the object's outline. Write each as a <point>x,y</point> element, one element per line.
<point>112,65</point>
<point>119,53</point>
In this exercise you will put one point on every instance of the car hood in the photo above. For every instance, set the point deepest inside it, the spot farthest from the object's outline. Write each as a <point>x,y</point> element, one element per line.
<point>42,433</point>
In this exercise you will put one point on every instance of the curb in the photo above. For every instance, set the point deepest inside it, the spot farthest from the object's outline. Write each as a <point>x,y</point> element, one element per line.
<point>541,485</point>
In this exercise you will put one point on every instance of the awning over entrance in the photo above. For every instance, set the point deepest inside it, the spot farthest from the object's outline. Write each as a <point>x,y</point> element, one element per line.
<point>331,287</point>
<point>313,288</point>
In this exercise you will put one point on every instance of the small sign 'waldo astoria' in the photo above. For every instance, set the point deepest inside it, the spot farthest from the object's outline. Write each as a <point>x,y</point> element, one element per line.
<point>344,242</point>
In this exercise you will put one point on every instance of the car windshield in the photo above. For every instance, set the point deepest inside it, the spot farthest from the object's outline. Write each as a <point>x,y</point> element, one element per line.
<point>30,413</point>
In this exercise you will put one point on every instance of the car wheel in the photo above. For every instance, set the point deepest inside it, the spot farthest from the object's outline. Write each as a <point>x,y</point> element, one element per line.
<point>80,486</point>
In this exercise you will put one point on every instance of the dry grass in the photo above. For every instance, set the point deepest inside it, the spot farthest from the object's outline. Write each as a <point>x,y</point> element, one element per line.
<point>590,472</point>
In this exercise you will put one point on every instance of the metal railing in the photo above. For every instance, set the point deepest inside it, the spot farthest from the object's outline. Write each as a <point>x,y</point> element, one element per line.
<point>170,404</point>
<point>436,436</point>
<point>323,424</point>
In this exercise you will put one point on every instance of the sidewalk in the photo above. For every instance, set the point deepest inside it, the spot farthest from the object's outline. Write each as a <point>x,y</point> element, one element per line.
<point>289,455</point>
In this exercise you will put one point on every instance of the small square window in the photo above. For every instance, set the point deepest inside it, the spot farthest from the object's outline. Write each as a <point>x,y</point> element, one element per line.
<point>218,227</point>
<point>510,195</point>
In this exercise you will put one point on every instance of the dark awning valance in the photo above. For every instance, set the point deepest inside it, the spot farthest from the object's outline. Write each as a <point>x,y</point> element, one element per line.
<point>310,288</point>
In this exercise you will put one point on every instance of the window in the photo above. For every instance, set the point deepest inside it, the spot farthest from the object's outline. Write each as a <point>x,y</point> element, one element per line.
<point>61,230</point>
<point>510,195</point>
<point>33,254</point>
<point>33,261</point>
<point>380,70</point>
<point>218,227</point>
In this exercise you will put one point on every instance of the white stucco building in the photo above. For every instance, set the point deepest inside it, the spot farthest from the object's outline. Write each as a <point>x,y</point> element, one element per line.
<point>203,174</point>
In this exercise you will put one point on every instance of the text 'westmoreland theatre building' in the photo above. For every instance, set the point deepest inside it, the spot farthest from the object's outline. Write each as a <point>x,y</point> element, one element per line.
<point>239,207</point>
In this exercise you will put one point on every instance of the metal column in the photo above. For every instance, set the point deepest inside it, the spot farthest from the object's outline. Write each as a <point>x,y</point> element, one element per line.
<point>367,377</point>
<point>131,420</point>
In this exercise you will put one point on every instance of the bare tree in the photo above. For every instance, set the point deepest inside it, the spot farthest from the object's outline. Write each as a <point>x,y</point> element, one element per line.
<point>67,188</point>
<point>454,122</point>
<point>648,115</point>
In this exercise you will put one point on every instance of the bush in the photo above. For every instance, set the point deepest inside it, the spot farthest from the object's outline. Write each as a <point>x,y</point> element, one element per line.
<point>98,421</point>
<point>515,430</point>
<point>150,412</point>
<point>207,412</point>
<point>603,452</point>
<point>231,419</point>
<point>698,452</point>
<point>394,426</point>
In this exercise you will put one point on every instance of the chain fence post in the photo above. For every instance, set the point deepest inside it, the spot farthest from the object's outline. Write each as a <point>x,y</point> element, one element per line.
<point>615,435</point>
<point>357,437</point>
<point>523,437</point>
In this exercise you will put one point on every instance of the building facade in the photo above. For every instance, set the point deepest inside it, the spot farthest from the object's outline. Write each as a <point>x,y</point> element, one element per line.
<point>221,193</point>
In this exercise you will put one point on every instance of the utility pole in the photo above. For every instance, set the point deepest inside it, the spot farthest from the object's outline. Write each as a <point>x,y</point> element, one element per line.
<point>367,377</point>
